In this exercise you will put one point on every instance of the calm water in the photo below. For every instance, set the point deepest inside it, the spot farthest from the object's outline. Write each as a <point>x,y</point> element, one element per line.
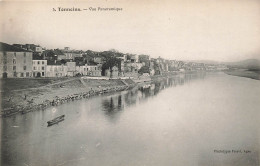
<point>178,121</point>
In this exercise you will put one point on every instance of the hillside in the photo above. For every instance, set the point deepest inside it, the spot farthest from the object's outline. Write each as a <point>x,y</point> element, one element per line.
<point>245,64</point>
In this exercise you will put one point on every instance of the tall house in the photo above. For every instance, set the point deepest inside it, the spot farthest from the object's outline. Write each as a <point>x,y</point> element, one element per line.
<point>14,61</point>
<point>39,68</point>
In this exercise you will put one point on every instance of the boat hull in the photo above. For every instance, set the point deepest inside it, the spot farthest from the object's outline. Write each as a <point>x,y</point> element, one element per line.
<point>56,120</point>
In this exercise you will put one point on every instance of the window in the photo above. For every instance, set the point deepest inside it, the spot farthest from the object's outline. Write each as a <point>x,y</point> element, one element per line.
<point>21,74</point>
<point>42,73</point>
<point>15,74</point>
<point>14,61</point>
<point>14,68</point>
<point>27,74</point>
<point>38,62</point>
<point>15,54</point>
<point>43,62</point>
<point>34,68</point>
<point>42,68</point>
<point>24,68</point>
<point>24,60</point>
<point>5,68</point>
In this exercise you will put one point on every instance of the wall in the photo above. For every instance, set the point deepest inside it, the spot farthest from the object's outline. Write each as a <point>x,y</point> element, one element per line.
<point>16,64</point>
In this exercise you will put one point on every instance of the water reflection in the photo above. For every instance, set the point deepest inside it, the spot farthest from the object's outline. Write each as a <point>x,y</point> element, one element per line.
<point>141,93</point>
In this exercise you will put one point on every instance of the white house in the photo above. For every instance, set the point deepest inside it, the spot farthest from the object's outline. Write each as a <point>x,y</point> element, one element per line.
<point>39,68</point>
<point>56,70</point>
<point>93,70</point>
<point>71,68</point>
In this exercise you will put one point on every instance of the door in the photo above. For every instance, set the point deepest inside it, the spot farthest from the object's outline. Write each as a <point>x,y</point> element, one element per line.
<point>4,75</point>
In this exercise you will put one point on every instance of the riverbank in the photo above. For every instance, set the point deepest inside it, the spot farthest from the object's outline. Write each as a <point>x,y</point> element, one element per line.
<point>253,74</point>
<point>25,95</point>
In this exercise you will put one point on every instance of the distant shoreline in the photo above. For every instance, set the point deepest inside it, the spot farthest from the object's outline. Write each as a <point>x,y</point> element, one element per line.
<point>253,74</point>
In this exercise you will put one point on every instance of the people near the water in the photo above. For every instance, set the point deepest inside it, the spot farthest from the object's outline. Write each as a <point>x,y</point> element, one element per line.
<point>60,100</point>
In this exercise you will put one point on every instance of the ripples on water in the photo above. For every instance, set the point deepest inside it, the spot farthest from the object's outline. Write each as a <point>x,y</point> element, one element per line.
<point>175,121</point>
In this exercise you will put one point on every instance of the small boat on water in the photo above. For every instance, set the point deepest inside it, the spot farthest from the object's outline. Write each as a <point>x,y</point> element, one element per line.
<point>56,120</point>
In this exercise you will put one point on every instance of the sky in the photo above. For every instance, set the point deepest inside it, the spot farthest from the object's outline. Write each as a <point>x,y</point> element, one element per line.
<point>219,30</point>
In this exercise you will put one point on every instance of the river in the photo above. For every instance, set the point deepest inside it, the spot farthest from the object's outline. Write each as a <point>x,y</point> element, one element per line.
<point>188,120</point>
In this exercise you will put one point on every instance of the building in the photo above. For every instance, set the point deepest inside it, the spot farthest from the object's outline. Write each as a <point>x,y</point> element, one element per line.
<point>112,72</point>
<point>30,47</point>
<point>71,54</point>
<point>37,49</point>
<point>39,68</point>
<point>58,54</point>
<point>15,61</point>
<point>133,58</point>
<point>52,55</point>
<point>82,70</point>
<point>133,67</point>
<point>93,69</point>
<point>56,70</point>
<point>71,68</point>
<point>98,60</point>
<point>123,57</point>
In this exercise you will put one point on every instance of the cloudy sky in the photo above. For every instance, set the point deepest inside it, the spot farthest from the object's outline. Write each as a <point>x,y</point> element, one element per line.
<point>222,30</point>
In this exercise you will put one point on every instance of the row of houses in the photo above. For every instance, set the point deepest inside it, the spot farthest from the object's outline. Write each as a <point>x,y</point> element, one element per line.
<point>31,60</point>
<point>19,62</point>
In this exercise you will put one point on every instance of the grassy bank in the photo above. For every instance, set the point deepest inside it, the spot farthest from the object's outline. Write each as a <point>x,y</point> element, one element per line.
<point>253,74</point>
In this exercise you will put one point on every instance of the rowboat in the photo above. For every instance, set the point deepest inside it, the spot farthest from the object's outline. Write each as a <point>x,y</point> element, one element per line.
<point>56,120</point>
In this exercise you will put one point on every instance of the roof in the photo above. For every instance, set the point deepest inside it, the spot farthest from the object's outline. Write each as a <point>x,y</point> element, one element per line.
<point>54,62</point>
<point>91,63</point>
<point>80,61</point>
<point>9,48</point>
<point>37,56</point>
<point>73,52</point>
<point>52,52</point>
<point>58,52</point>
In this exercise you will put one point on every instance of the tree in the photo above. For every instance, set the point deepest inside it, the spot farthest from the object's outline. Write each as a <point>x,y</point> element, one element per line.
<point>111,62</point>
<point>144,69</point>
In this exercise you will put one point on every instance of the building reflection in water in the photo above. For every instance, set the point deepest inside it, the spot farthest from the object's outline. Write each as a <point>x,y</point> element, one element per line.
<point>115,103</point>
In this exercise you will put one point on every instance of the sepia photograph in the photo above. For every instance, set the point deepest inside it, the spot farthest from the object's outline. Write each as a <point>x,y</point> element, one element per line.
<point>130,83</point>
